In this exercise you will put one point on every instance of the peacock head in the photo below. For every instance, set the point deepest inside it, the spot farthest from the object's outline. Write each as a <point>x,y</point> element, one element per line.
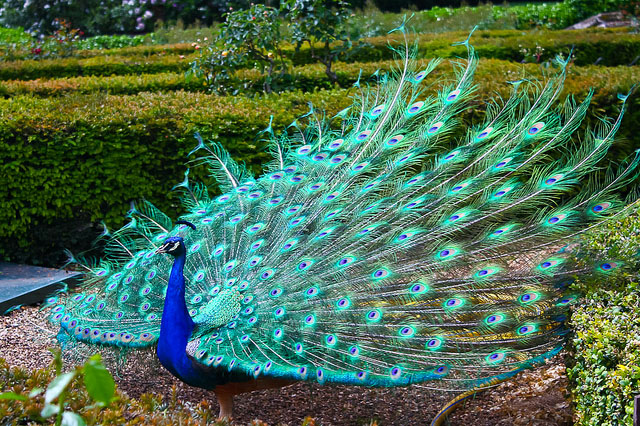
<point>175,245</point>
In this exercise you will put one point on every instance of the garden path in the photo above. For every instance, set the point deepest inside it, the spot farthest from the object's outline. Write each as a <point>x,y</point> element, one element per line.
<point>534,397</point>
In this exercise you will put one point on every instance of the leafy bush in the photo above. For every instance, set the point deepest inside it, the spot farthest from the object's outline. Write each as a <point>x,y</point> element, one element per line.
<point>615,47</point>
<point>178,33</point>
<point>62,43</point>
<point>251,38</point>
<point>583,9</point>
<point>14,43</point>
<point>14,35</point>
<point>91,16</point>
<point>437,19</point>
<point>79,159</point>
<point>605,375</point>
<point>91,387</point>
<point>111,42</point>
<point>254,38</point>
<point>543,15</point>
<point>98,46</point>
<point>98,382</point>
<point>322,22</point>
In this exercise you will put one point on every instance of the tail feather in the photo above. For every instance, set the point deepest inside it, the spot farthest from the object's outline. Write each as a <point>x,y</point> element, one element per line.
<point>400,246</point>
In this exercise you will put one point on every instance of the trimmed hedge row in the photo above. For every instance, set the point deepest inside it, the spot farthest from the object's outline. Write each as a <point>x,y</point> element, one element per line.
<point>83,157</point>
<point>115,85</point>
<point>615,47</point>
<point>148,50</point>
<point>97,66</point>
<point>604,371</point>
<point>308,79</point>
<point>66,162</point>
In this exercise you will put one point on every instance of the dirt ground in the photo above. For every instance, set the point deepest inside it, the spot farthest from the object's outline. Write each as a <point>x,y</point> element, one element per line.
<point>536,397</point>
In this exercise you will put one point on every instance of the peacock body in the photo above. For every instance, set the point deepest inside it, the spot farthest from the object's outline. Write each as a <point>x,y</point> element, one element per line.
<point>388,247</point>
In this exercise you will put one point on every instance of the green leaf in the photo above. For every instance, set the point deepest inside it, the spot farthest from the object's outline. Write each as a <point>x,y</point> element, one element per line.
<point>98,380</point>
<point>35,392</point>
<point>49,410</point>
<point>57,385</point>
<point>72,419</point>
<point>13,396</point>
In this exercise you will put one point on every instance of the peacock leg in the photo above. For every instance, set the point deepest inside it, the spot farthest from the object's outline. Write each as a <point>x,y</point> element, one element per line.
<point>225,399</point>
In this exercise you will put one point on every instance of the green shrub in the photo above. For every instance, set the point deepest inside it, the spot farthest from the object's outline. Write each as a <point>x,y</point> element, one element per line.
<point>24,399</point>
<point>583,9</point>
<point>14,35</point>
<point>98,384</point>
<point>322,23</point>
<point>249,38</point>
<point>111,42</point>
<point>543,15</point>
<point>88,48</point>
<point>615,47</point>
<point>605,372</point>
<point>605,375</point>
<point>114,85</point>
<point>547,15</point>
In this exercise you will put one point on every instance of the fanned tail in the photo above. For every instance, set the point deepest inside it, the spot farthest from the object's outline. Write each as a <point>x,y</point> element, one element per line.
<point>391,245</point>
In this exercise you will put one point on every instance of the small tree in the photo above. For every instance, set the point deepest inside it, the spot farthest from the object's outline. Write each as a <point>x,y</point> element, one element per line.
<point>247,38</point>
<point>321,25</point>
<point>216,65</point>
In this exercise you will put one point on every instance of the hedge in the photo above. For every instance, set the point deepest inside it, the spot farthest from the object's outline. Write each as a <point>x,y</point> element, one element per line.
<point>310,78</point>
<point>83,157</point>
<point>143,50</point>
<point>8,52</point>
<point>98,66</point>
<point>67,162</point>
<point>615,47</point>
<point>604,373</point>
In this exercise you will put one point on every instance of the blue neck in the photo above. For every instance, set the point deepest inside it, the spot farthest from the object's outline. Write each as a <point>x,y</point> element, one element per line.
<point>176,329</point>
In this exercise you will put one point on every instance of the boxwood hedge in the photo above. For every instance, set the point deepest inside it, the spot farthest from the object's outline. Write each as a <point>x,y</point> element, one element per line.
<point>67,162</point>
<point>604,371</point>
<point>311,77</point>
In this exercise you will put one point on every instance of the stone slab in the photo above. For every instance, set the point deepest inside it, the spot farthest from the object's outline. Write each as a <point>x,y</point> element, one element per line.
<point>25,285</point>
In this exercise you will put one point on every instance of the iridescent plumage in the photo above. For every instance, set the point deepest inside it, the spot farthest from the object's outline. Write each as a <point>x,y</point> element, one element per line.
<point>390,246</point>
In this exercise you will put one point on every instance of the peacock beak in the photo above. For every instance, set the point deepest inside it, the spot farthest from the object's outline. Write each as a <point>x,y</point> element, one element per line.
<point>167,247</point>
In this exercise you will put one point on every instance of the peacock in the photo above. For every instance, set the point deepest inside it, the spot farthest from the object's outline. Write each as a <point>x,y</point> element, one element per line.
<point>389,245</point>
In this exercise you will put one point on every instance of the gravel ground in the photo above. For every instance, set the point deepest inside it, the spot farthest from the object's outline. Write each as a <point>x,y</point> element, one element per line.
<point>535,397</point>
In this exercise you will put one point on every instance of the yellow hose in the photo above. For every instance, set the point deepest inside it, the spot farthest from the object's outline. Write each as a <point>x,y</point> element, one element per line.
<point>450,406</point>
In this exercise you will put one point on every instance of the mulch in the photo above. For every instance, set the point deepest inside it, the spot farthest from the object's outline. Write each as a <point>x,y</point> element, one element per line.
<point>537,397</point>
